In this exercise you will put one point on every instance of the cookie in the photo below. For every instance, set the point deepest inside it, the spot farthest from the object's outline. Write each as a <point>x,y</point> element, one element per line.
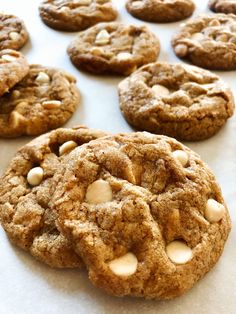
<point>113,48</point>
<point>13,67</point>
<point>177,100</point>
<point>45,99</point>
<point>25,193</point>
<point>144,212</point>
<point>160,11</point>
<point>13,33</point>
<point>223,6</point>
<point>76,15</point>
<point>208,41</point>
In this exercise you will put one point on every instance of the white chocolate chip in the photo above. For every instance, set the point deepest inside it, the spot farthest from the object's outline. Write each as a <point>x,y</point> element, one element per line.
<point>15,94</point>
<point>83,2</point>
<point>160,90</point>
<point>97,51</point>
<point>16,119</point>
<point>35,176</point>
<point>214,23</point>
<point>214,211</point>
<point>42,78</point>
<point>67,147</point>
<point>233,27</point>
<point>178,252</point>
<point>197,36</point>
<point>15,181</point>
<point>122,56</point>
<point>181,50</point>
<point>208,31</point>
<point>223,38</point>
<point>233,39</point>
<point>209,44</point>
<point>64,9</point>
<point>102,38</point>
<point>21,106</point>
<point>14,35</point>
<point>125,265</point>
<point>8,58</point>
<point>99,192</point>
<point>137,4</point>
<point>181,156</point>
<point>51,104</point>
<point>43,89</point>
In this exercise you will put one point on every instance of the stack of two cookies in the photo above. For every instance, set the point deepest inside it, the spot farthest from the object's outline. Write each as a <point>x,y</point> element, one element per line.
<point>35,98</point>
<point>142,212</point>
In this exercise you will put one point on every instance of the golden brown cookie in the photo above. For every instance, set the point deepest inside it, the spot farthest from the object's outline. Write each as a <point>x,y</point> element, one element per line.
<point>160,11</point>
<point>45,99</point>
<point>13,68</point>
<point>25,193</point>
<point>144,212</point>
<point>208,41</point>
<point>177,100</point>
<point>113,48</point>
<point>76,15</point>
<point>223,6</point>
<point>13,33</point>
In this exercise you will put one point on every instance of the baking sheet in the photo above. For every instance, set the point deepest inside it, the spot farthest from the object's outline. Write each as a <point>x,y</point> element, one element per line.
<point>28,286</point>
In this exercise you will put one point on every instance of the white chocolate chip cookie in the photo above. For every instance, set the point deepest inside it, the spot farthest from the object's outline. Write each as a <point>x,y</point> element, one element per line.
<point>160,11</point>
<point>208,41</point>
<point>143,211</point>
<point>43,100</point>
<point>113,48</point>
<point>177,100</point>
<point>223,6</point>
<point>76,15</point>
<point>13,33</point>
<point>13,68</point>
<point>25,193</point>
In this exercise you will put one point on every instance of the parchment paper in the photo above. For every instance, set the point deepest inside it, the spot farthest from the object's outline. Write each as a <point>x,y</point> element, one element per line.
<point>30,287</point>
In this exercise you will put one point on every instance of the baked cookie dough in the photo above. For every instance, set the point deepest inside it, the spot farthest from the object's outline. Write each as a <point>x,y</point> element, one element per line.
<point>45,99</point>
<point>208,41</point>
<point>160,11</point>
<point>177,100</point>
<point>223,6</point>
<point>13,67</point>
<point>76,15</point>
<point>13,33</point>
<point>144,212</point>
<point>113,48</point>
<point>25,194</point>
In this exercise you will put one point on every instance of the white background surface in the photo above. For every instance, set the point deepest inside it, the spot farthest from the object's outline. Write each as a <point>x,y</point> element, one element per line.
<point>27,286</point>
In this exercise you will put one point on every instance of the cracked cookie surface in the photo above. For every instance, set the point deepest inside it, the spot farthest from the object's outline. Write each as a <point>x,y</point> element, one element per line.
<point>160,11</point>
<point>144,212</point>
<point>45,99</point>
<point>223,6</point>
<point>25,213</point>
<point>208,41</point>
<point>13,33</point>
<point>113,48</point>
<point>13,68</point>
<point>76,15</point>
<point>177,100</point>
